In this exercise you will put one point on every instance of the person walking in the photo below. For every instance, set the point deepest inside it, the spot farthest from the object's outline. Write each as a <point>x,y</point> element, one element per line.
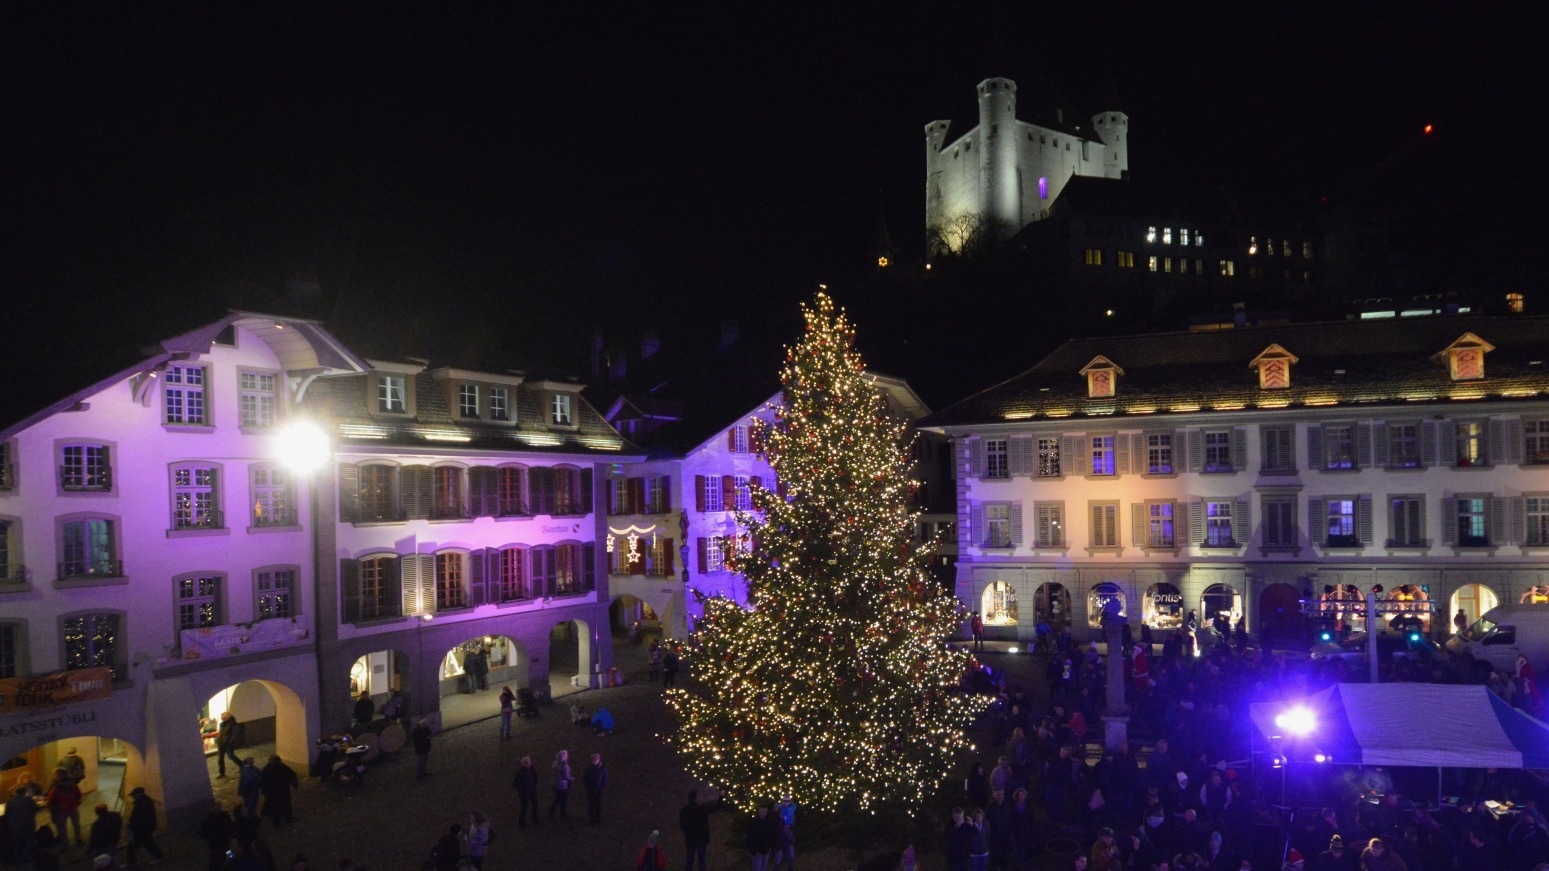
<point>654,658</point>
<point>694,822</point>
<point>560,771</point>
<point>478,836</point>
<point>106,832</point>
<point>142,827</point>
<point>249,785</point>
<point>976,625</point>
<point>526,784</point>
<point>275,782</point>
<point>507,709</point>
<point>216,831</point>
<point>594,779</point>
<point>670,662</point>
<point>421,740</point>
<point>64,805</point>
<point>226,740</point>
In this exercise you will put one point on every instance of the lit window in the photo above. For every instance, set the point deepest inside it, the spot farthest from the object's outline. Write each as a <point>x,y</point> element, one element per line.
<point>1472,522</point>
<point>468,400</point>
<point>1471,444</point>
<point>1159,525</point>
<point>391,394</point>
<point>1159,453</point>
<point>1183,265</point>
<point>1094,256</point>
<point>995,459</point>
<point>1043,188</point>
<point>91,641</point>
<point>1126,259</point>
<point>1306,251</point>
<point>274,589</point>
<point>1253,245</point>
<point>1269,247</point>
<point>1514,303</point>
<point>88,548</point>
<point>744,494</point>
<point>1102,455</point>
<point>1167,264</point>
<point>560,409</point>
<point>1199,239</point>
<point>448,495</point>
<point>1228,267</point>
<point>450,592</point>
<point>1167,235</point>
<point>499,408</point>
<point>85,467</point>
<point>1285,247</point>
<point>1183,235</point>
<point>257,399</point>
<point>1218,525</point>
<point>1151,235</point>
<point>1218,451</point>
<point>195,501</point>
<point>183,392</point>
<point>198,601</point>
<point>273,503</point>
<point>1341,523</point>
<point>1151,263</point>
<point>1048,458</point>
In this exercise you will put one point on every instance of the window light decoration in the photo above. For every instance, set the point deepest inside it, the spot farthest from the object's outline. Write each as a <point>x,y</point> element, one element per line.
<point>1274,364</point>
<point>1102,376</point>
<point>1465,357</point>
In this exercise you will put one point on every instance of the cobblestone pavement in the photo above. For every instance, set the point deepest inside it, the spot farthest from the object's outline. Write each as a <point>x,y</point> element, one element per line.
<point>392,820</point>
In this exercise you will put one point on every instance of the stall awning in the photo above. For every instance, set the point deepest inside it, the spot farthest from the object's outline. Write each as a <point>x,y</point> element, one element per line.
<point>1419,724</point>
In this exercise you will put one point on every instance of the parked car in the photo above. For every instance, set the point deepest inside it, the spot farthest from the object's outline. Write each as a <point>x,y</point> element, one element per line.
<point>1503,633</point>
<point>1412,646</point>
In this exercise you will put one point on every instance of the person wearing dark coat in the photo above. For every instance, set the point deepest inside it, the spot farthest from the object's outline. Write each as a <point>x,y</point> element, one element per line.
<point>244,827</point>
<point>998,815</point>
<point>216,832</point>
<point>448,849</point>
<point>365,711</point>
<point>760,840</point>
<point>526,784</point>
<point>106,832</point>
<point>275,782</point>
<point>694,822</point>
<point>594,779</point>
<point>958,841</point>
<point>142,827</point>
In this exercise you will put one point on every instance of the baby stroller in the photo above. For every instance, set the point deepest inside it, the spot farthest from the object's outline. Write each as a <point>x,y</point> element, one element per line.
<point>526,703</point>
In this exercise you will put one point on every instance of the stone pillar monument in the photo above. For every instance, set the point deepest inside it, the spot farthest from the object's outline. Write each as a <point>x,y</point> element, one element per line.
<point>1115,714</point>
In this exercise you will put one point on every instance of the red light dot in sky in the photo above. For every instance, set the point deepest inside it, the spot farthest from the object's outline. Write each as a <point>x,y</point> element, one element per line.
<point>1428,129</point>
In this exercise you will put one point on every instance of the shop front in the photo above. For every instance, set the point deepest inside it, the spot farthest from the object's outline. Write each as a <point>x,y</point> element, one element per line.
<point>1101,597</point>
<point>1161,607</point>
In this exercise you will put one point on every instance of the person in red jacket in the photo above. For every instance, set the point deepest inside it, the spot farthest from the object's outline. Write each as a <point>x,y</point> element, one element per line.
<point>64,804</point>
<point>651,857</point>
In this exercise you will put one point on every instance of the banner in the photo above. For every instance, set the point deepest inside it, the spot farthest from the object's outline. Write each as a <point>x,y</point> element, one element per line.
<point>59,688</point>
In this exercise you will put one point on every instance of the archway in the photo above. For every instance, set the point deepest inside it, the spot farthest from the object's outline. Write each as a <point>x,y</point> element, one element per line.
<point>1220,600</point>
<point>108,769</point>
<point>499,658</point>
<point>998,605</point>
<point>1162,607</point>
<point>1098,599</point>
<point>632,619</point>
<point>1281,623</point>
<point>270,721</point>
<point>379,673</point>
<point>1051,605</point>
<point>570,656</point>
<point>1473,600</point>
<point>1420,615</point>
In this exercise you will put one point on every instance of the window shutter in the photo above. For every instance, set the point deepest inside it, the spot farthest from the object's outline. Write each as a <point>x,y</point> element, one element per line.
<point>419,582</point>
<point>1016,524</point>
<point>1497,444</point>
<point>586,491</point>
<point>1071,460</point>
<point>349,492</point>
<point>976,524</point>
<point>589,565</point>
<point>666,494</point>
<point>1497,520</point>
<point>699,493</point>
<point>976,457</point>
<point>478,578</point>
<point>1449,520</point>
<point>415,495</point>
<point>1239,448</point>
<point>1518,520</point>
<point>1180,447</point>
<point>667,555</point>
<point>728,492</point>
<point>1137,522</point>
<point>1446,443</point>
<point>1363,445</point>
<point>1019,457</point>
<point>1380,456</point>
<point>1513,441</point>
<point>543,571</point>
<point>1242,524</point>
<point>1181,525</point>
<point>1363,519</point>
<point>1121,454</point>
<point>1315,447</point>
<point>1428,443</point>
<point>1098,533</point>
<point>1196,451</point>
<point>1317,520</point>
<point>731,439</point>
<point>349,589</point>
<point>1196,521</point>
<point>632,496</point>
<point>756,437</point>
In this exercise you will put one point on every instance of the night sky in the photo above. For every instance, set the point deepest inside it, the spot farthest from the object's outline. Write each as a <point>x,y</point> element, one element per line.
<point>494,181</point>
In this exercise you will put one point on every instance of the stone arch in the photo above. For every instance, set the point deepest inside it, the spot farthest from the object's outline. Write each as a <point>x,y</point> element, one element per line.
<point>1051,604</point>
<point>112,767</point>
<point>270,712</point>
<point>1281,623</point>
<point>570,654</point>
<point>508,659</point>
<point>1101,594</point>
<point>1473,600</point>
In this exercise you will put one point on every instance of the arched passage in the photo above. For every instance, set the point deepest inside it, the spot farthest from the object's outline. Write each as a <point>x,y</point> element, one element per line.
<point>1098,599</point>
<point>1281,623</point>
<point>1162,607</point>
<point>998,605</point>
<point>108,768</point>
<point>632,620</point>
<point>270,720</point>
<point>484,663</point>
<point>1051,604</point>
<point>570,656</point>
<point>1473,600</point>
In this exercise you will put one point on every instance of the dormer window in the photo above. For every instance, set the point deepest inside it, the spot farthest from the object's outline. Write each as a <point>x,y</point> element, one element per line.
<point>392,394</point>
<point>1274,365</point>
<point>1102,377</point>
<point>468,401</point>
<point>559,410</point>
<point>1465,357</point>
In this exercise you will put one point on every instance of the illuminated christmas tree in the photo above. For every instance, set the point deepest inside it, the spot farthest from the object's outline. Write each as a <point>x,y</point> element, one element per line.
<point>837,688</point>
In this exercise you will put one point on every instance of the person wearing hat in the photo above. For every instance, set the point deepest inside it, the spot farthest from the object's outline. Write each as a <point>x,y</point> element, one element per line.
<point>1336,857</point>
<point>106,831</point>
<point>1104,855</point>
<point>650,857</point>
<point>142,827</point>
<point>1294,861</point>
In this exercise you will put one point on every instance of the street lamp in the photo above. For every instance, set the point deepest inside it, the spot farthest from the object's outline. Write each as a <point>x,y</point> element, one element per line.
<point>303,446</point>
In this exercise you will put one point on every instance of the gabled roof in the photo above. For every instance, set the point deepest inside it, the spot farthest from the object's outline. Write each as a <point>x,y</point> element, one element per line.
<point>1341,362</point>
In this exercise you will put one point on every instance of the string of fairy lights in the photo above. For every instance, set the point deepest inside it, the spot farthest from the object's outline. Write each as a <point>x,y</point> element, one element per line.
<point>837,687</point>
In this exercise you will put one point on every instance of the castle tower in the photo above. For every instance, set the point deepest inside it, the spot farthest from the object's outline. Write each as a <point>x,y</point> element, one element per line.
<point>1112,127</point>
<point>1000,177</point>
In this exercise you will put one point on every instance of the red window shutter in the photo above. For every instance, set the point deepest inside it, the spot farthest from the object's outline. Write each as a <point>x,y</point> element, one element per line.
<point>756,438</point>
<point>728,492</point>
<point>699,493</point>
<point>731,439</point>
<point>704,548</point>
<point>666,494</point>
<point>756,482</point>
<point>667,553</point>
<point>636,495</point>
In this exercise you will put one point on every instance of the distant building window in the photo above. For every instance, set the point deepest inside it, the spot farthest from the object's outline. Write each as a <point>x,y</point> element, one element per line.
<point>712,494</point>
<point>1535,435</point>
<point>1514,303</point>
<point>1043,188</point>
<point>1126,259</point>
<point>468,400</point>
<point>1403,446</point>
<point>1151,263</point>
<point>1199,239</point>
<point>1183,235</point>
<point>1471,444</point>
<point>1167,235</point>
<point>743,493</point>
<point>257,399</point>
<point>995,459</point>
<point>1285,247</point>
<point>1048,458</point>
<point>195,497</point>
<point>1183,265</point>
<point>499,408</point>
<point>1228,268</point>
<point>1218,524</point>
<point>560,409</point>
<point>274,589</point>
<point>1339,446</point>
<point>198,601</point>
<point>1218,450</point>
<point>1167,264</point>
<point>1253,245</point>
<point>1341,523</point>
<point>1159,453</point>
<point>184,396</point>
<point>1306,250</point>
<point>1269,247</point>
<point>1159,525</point>
<point>1151,234</point>
<point>392,394</point>
<point>1094,256</point>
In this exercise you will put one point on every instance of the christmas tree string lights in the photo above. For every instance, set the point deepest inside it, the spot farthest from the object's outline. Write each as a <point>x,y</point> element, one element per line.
<point>837,687</point>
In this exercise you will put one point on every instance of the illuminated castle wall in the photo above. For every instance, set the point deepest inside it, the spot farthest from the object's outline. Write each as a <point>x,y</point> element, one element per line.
<point>1009,171</point>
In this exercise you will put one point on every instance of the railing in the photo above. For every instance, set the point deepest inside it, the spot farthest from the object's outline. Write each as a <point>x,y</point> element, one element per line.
<point>108,568</point>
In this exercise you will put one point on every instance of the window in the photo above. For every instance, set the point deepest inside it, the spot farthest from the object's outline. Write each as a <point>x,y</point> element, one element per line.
<point>195,497</point>
<point>1340,521</point>
<point>1339,446</point>
<point>1199,239</point>
<point>1043,188</point>
<point>715,553</point>
<point>743,493</point>
<point>1535,434</point>
<point>1472,521</point>
<point>273,591</point>
<point>1125,259</point>
<point>378,491</point>
<point>377,596</point>
<point>499,406</point>
<point>737,439</point>
<point>85,467</point>
<point>1406,522</point>
<point>450,591</point>
<point>448,494</point>
<point>1102,455</point>
<point>1167,264</point>
<point>511,575</point>
<point>392,394</point>
<point>1183,236</point>
<point>509,491</point>
<point>7,467</point>
<point>1218,525</point>
<point>1218,450</point>
<point>1537,512</point>
<point>256,398</point>
<point>1167,235</point>
<point>997,525</point>
<point>559,409</point>
<point>656,499</point>
<point>198,601</point>
<point>1051,524</point>
<point>1183,265</point>
<point>1151,234</point>
<point>1279,450</point>
<point>11,569</point>
<point>995,459</point>
<point>1306,250</point>
<point>712,493</point>
<point>1048,458</point>
<point>1228,268</point>
<point>1159,525</point>
<point>1403,446</point>
<point>88,548</point>
<point>183,395</point>
<point>572,571</point>
<point>10,650</point>
<point>1159,453</point>
<point>1105,524</point>
<point>1151,263</point>
<point>92,641</point>
<point>273,502</point>
<point>572,490</point>
<point>1285,247</point>
<point>468,400</point>
<point>1471,444</point>
<point>1094,256</point>
<point>1280,521</point>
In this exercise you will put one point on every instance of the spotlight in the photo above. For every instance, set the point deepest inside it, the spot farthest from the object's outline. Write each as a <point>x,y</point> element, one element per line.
<point>1326,635</point>
<point>1414,638</point>
<point>1296,721</point>
<point>1320,758</point>
<point>1011,649</point>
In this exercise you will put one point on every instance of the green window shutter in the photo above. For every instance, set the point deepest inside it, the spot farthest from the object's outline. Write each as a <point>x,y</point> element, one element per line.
<point>349,589</point>
<point>349,492</point>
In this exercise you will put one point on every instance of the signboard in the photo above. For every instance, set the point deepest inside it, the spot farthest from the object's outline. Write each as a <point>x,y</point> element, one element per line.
<point>58,688</point>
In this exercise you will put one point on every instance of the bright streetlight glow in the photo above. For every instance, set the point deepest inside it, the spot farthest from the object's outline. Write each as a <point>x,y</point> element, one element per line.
<point>303,446</point>
<point>1296,721</point>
